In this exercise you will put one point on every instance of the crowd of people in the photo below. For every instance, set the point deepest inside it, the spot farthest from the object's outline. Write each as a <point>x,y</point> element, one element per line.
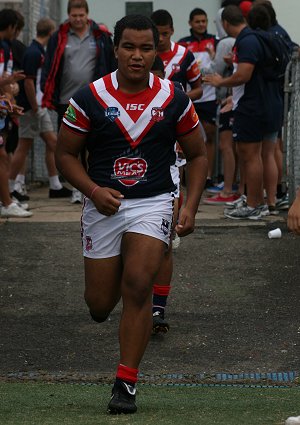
<point>139,116</point>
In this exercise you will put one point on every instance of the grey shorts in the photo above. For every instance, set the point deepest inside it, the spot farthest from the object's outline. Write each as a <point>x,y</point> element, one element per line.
<point>32,125</point>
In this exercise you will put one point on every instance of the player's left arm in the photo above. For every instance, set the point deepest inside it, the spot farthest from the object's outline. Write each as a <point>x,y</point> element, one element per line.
<point>294,215</point>
<point>194,150</point>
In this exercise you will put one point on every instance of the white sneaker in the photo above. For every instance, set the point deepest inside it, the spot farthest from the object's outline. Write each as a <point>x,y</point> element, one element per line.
<point>13,210</point>
<point>176,241</point>
<point>76,197</point>
<point>23,205</point>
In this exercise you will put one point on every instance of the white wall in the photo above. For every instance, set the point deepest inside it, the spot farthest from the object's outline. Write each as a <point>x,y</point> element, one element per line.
<point>109,11</point>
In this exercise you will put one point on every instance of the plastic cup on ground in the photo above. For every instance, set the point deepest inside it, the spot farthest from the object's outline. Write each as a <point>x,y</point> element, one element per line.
<point>293,420</point>
<point>274,234</point>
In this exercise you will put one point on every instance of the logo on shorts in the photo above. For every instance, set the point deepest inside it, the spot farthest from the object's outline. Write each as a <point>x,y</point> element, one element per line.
<point>157,114</point>
<point>165,226</point>
<point>70,114</point>
<point>112,113</point>
<point>130,171</point>
<point>88,243</point>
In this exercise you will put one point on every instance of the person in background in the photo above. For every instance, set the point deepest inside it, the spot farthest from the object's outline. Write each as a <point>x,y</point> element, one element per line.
<point>250,92</point>
<point>203,46</point>
<point>78,53</point>
<point>8,25</point>
<point>226,192</point>
<point>36,120</point>
<point>180,67</point>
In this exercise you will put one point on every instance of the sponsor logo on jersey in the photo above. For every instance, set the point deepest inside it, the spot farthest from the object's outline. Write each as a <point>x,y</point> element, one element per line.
<point>112,112</point>
<point>88,243</point>
<point>165,226</point>
<point>129,171</point>
<point>157,114</point>
<point>70,114</point>
<point>176,67</point>
<point>135,106</point>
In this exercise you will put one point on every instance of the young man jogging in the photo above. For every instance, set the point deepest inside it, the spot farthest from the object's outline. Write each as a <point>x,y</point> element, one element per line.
<point>129,121</point>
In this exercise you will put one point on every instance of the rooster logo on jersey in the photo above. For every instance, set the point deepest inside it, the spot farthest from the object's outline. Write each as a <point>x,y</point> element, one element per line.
<point>157,114</point>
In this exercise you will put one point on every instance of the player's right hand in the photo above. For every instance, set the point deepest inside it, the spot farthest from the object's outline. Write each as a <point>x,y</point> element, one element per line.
<point>107,200</point>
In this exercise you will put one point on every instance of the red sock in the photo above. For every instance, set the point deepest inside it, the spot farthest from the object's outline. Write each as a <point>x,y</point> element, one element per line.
<point>127,374</point>
<point>161,290</point>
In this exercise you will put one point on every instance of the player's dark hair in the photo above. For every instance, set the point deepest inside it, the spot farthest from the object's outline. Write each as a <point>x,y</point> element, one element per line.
<point>77,4</point>
<point>233,15</point>
<point>162,17</point>
<point>8,17</point>
<point>197,11</point>
<point>158,65</point>
<point>258,17</point>
<point>135,22</point>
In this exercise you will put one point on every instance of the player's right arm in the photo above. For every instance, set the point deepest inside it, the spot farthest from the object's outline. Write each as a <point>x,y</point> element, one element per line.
<point>69,144</point>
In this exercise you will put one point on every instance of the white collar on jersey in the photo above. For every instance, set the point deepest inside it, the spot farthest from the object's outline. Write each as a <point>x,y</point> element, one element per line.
<point>116,84</point>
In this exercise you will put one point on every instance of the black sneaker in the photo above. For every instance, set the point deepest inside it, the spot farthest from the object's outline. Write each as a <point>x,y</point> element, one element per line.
<point>60,193</point>
<point>122,399</point>
<point>159,323</point>
<point>19,197</point>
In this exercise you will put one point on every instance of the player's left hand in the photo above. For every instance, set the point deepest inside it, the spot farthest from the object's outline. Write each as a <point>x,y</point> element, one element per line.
<point>186,223</point>
<point>293,221</point>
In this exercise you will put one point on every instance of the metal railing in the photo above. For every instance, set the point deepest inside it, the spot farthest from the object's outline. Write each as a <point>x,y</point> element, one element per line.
<point>291,126</point>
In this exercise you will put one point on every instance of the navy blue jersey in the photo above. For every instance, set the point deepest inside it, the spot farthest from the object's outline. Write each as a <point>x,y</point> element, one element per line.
<point>33,60</point>
<point>130,137</point>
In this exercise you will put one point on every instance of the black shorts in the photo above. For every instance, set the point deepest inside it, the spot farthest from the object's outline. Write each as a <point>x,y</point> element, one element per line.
<point>12,137</point>
<point>247,128</point>
<point>226,121</point>
<point>207,111</point>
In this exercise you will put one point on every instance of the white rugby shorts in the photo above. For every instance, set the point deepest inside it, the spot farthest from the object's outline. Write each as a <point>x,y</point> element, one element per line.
<point>102,235</point>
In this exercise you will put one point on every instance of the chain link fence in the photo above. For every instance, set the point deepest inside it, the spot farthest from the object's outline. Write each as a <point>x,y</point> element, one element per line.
<point>291,127</point>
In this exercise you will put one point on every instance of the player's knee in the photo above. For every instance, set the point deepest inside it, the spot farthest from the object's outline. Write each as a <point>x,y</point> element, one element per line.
<point>99,318</point>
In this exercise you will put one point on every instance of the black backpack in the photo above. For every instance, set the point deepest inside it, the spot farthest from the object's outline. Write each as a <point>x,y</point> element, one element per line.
<point>277,54</point>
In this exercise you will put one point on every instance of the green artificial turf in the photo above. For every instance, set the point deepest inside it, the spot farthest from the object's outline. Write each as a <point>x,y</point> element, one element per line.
<point>43,403</point>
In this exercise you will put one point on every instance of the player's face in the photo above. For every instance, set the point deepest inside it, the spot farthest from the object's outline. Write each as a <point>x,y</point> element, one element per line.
<point>135,54</point>
<point>78,18</point>
<point>199,24</point>
<point>165,34</point>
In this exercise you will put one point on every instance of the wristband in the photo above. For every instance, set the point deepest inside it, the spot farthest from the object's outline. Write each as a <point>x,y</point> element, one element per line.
<point>93,190</point>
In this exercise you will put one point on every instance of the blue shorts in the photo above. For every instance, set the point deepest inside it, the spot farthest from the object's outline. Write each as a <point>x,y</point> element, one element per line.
<point>207,111</point>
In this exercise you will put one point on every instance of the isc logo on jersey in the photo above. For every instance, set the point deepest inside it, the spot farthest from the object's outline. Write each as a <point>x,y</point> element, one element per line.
<point>135,106</point>
<point>129,171</point>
